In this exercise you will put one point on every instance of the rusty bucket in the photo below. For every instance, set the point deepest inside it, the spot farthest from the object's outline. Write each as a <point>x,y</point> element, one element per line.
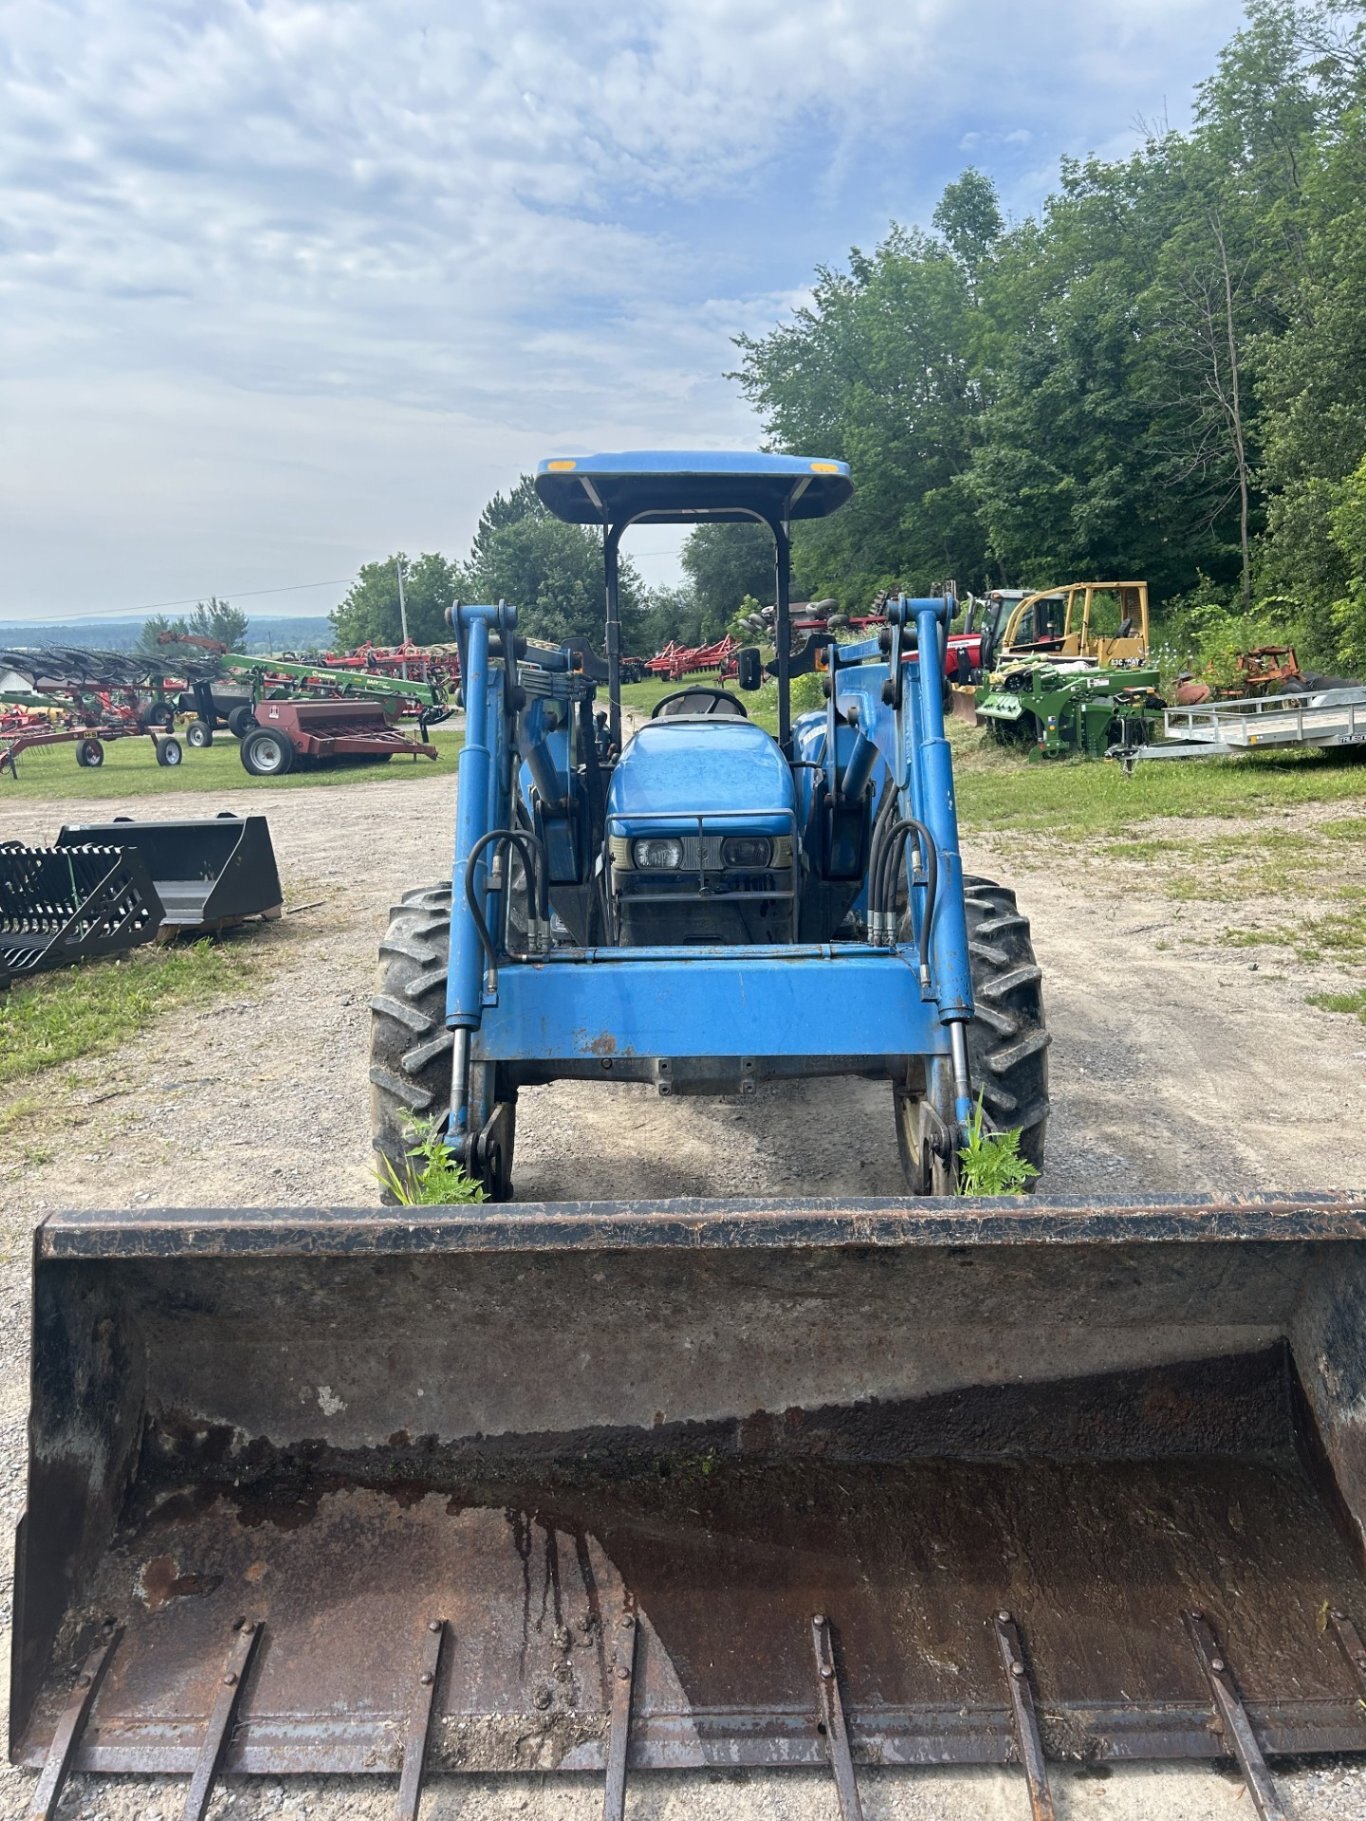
<point>599,1487</point>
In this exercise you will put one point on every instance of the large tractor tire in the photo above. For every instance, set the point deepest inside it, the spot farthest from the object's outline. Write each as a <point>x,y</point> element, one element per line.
<point>1007,1039</point>
<point>410,1046</point>
<point>1007,1043</point>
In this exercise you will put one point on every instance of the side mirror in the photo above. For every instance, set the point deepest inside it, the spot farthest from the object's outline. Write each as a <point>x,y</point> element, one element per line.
<point>749,669</point>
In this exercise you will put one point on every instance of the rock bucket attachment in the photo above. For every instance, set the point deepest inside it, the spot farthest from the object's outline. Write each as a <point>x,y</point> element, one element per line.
<point>607,1487</point>
<point>209,874</point>
<point>63,905</point>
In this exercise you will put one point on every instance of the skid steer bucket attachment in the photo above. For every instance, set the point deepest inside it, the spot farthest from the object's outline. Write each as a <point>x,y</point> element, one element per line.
<point>63,905</point>
<point>602,1487</point>
<point>209,874</point>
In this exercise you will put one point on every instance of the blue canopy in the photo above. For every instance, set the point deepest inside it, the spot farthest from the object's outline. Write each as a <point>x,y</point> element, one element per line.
<point>690,487</point>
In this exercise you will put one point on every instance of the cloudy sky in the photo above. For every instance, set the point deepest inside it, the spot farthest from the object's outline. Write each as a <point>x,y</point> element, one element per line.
<point>287,285</point>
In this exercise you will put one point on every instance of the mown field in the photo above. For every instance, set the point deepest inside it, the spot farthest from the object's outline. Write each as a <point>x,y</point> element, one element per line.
<point>46,774</point>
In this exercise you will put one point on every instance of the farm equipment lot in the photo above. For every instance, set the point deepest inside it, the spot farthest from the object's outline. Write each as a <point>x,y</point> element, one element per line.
<point>1180,951</point>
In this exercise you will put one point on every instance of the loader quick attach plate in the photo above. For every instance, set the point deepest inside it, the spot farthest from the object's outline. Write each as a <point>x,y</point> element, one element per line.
<point>609,1487</point>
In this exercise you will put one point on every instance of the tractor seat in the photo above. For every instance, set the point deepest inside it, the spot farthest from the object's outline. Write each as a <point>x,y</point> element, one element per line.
<point>696,701</point>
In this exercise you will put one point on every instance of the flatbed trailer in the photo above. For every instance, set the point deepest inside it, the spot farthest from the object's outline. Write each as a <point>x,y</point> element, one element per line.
<point>1212,730</point>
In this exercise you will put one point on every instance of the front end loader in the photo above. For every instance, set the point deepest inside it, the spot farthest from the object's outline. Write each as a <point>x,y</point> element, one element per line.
<point>618,1488</point>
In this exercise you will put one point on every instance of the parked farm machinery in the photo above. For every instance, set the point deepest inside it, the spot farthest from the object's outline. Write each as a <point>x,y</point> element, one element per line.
<point>88,737</point>
<point>1067,713</point>
<point>104,888</point>
<point>612,1487</point>
<point>308,732</point>
<point>677,661</point>
<point>84,699</point>
<point>256,679</point>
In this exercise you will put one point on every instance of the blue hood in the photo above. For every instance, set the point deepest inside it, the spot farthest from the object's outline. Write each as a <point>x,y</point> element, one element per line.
<point>699,767</point>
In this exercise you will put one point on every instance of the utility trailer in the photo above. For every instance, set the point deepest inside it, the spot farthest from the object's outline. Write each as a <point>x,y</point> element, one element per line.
<point>1224,730</point>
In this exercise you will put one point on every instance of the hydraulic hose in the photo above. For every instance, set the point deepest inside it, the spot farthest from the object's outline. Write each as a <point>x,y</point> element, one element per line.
<point>893,847</point>
<point>538,891</point>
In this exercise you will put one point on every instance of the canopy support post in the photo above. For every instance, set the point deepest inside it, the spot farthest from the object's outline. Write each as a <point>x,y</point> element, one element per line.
<point>782,626</point>
<point>611,544</point>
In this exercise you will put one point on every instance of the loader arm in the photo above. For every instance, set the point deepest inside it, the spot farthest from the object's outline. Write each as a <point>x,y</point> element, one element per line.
<point>647,1012</point>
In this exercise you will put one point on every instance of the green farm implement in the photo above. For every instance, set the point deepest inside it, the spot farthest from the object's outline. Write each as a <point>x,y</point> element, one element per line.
<point>1066,713</point>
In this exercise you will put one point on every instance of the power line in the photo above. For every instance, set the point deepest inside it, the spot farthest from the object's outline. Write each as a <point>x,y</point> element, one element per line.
<point>231,595</point>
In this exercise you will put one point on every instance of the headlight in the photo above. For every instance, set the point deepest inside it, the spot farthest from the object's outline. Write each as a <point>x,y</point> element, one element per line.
<point>746,850</point>
<point>666,855</point>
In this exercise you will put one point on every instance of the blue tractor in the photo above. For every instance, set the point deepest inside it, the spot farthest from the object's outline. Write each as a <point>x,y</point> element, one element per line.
<point>612,1488</point>
<point>611,889</point>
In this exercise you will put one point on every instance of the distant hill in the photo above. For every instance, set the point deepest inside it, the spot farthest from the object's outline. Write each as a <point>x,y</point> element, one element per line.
<point>295,632</point>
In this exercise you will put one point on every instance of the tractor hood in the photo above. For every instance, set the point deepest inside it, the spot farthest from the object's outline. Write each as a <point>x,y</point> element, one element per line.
<point>675,771</point>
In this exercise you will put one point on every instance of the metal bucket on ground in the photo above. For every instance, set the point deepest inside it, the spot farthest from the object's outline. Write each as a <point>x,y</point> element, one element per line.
<point>63,905</point>
<point>600,1487</point>
<point>209,873</point>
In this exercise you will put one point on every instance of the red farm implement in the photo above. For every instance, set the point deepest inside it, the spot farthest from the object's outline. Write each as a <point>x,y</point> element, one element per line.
<point>303,733</point>
<point>678,661</point>
<point>437,664</point>
<point>89,742</point>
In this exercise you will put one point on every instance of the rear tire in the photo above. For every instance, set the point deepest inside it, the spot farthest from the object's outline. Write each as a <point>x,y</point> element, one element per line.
<point>241,720</point>
<point>169,750</point>
<point>199,735</point>
<point>89,755</point>
<point>266,752</point>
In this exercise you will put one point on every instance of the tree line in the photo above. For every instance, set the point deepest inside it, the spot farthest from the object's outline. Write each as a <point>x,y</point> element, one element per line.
<point>1162,376</point>
<point>553,572</point>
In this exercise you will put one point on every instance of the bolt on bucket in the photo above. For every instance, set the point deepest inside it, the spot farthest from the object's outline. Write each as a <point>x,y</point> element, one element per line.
<point>209,873</point>
<point>612,1487</point>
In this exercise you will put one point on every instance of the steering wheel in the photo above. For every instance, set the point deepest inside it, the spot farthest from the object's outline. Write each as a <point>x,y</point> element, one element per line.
<point>719,701</point>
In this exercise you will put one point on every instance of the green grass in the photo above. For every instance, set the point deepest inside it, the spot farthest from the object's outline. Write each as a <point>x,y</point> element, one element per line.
<point>1353,1003</point>
<point>84,1012</point>
<point>130,770</point>
<point>642,697</point>
<point>762,706</point>
<point>1079,800</point>
<point>1340,936</point>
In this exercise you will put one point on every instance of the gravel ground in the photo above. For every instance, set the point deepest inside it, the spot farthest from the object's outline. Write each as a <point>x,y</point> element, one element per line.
<point>1177,1065</point>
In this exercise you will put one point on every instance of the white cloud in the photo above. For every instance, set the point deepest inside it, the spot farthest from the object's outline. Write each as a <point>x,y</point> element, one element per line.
<point>384,251</point>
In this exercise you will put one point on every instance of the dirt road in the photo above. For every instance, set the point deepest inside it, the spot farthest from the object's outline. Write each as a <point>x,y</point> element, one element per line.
<point>1177,1064</point>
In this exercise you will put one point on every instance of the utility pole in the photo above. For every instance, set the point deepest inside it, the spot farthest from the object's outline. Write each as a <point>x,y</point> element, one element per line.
<point>402,609</point>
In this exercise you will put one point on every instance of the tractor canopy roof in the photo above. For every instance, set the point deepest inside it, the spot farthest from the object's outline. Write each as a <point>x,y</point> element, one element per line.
<point>690,486</point>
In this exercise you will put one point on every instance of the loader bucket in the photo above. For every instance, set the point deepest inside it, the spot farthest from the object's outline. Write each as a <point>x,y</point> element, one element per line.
<point>209,873</point>
<point>601,1487</point>
<point>58,907</point>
